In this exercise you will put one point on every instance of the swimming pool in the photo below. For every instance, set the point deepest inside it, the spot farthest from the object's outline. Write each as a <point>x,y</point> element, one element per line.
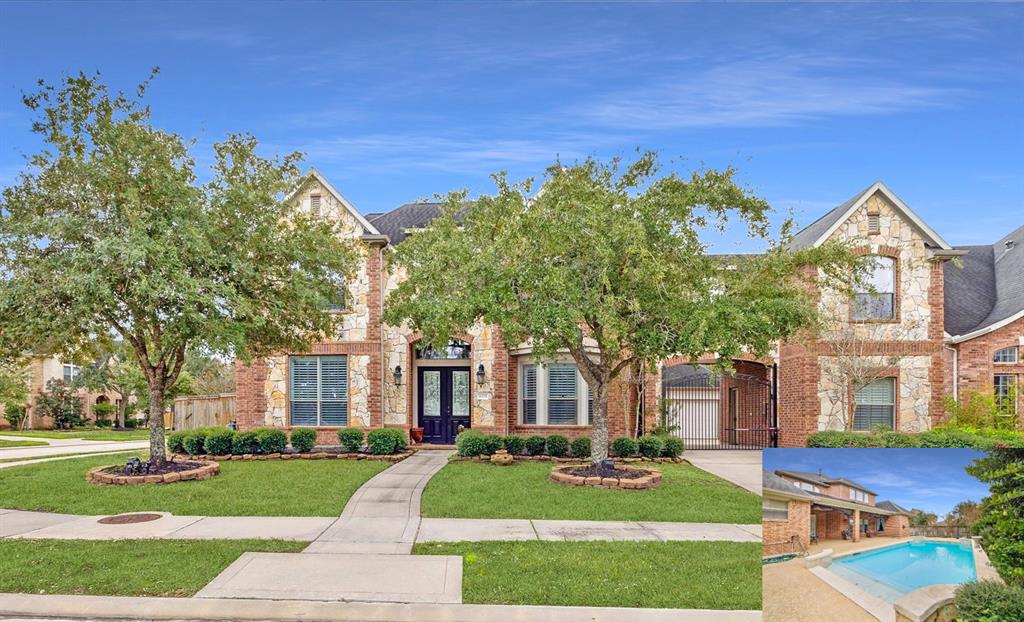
<point>891,572</point>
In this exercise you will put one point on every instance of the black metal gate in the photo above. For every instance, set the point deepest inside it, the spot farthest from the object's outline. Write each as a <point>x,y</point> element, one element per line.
<point>709,410</point>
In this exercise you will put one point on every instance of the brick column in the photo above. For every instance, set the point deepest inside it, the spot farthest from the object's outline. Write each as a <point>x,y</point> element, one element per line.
<point>856,526</point>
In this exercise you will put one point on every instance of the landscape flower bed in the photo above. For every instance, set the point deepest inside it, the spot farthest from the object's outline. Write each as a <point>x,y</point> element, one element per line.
<point>272,444</point>
<point>473,444</point>
<point>173,471</point>
<point>627,477</point>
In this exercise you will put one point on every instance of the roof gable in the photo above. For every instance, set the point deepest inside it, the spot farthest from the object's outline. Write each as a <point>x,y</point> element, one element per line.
<point>822,229</point>
<point>314,174</point>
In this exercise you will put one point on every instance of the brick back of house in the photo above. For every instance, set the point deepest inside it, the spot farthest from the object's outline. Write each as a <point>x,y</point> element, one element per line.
<point>791,535</point>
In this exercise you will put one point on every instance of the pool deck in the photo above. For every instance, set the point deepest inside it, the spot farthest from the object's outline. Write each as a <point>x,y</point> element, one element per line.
<point>794,592</point>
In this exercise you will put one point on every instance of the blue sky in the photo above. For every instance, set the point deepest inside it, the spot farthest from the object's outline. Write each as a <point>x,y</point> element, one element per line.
<point>396,102</point>
<point>930,479</point>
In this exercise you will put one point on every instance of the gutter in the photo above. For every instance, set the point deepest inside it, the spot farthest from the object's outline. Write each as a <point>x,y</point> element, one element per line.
<point>988,329</point>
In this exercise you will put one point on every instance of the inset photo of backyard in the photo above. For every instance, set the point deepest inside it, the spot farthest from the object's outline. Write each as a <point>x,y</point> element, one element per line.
<point>894,535</point>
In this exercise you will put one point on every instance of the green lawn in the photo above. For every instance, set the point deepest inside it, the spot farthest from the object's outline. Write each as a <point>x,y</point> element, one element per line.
<point>690,575</point>
<point>258,488</point>
<point>122,567</point>
<point>88,434</point>
<point>523,490</point>
<point>6,443</point>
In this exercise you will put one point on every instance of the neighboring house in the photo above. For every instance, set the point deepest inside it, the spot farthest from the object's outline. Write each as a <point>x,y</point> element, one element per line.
<point>939,320</point>
<point>41,370</point>
<point>801,508</point>
<point>372,375</point>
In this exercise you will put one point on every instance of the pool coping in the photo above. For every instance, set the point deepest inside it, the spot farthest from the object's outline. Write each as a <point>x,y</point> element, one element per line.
<point>915,605</point>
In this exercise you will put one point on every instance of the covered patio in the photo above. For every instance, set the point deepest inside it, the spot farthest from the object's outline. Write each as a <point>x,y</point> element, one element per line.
<point>837,519</point>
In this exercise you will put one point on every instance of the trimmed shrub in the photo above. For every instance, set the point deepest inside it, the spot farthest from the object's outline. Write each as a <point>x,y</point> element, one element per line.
<point>131,424</point>
<point>515,445</point>
<point>470,443</point>
<point>843,439</point>
<point>557,445</point>
<point>350,438</point>
<point>671,446</point>
<point>383,441</point>
<point>303,439</point>
<point>581,447</point>
<point>195,441</point>
<point>896,439</point>
<point>650,446</point>
<point>245,443</point>
<point>624,447</point>
<point>989,601</point>
<point>104,423</point>
<point>492,443</point>
<point>218,441</point>
<point>535,445</point>
<point>944,436</point>
<point>176,442</point>
<point>271,441</point>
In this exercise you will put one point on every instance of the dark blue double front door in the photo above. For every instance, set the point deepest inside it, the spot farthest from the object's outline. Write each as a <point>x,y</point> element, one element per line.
<point>444,402</point>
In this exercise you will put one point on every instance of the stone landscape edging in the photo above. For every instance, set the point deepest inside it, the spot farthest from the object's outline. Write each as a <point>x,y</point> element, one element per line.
<point>653,478</point>
<point>205,471</point>
<point>312,455</point>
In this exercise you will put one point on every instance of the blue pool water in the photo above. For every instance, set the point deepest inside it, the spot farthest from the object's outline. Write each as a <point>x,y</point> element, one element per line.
<point>891,572</point>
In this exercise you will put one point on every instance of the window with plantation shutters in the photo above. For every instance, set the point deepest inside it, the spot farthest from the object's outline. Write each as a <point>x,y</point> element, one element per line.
<point>319,390</point>
<point>529,394</point>
<point>875,405</point>
<point>562,399</point>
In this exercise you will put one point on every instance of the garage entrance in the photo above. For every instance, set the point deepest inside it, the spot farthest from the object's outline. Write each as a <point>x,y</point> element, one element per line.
<point>710,410</point>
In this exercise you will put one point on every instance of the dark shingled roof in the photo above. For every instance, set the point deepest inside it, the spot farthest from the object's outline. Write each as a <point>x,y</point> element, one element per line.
<point>771,481</point>
<point>892,507</point>
<point>987,287</point>
<point>820,478</point>
<point>395,223</point>
<point>807,236</point>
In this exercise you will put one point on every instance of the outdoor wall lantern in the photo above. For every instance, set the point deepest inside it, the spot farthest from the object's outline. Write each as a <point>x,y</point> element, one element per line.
<point>481,376</point>
<point>398,375</point>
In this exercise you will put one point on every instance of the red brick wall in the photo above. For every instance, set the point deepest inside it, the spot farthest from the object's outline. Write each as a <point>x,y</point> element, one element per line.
<point>830,525</point>
<point>896,527</point>
<point>777,534</point>
<point>976,371</point>
<point>250,394</point>
<point>799,405</point>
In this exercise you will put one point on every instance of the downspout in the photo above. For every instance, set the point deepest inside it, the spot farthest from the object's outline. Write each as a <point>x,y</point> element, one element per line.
<point>956,372</point>
<point>380,328</point>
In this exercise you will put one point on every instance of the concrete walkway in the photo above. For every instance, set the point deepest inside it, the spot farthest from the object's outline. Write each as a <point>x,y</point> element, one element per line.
<point>34,606</point>
<point>60,446</point>
<point>478,530</point>
<point>741,467</point>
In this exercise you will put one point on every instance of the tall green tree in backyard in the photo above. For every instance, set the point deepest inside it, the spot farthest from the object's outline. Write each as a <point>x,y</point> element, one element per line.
<point>606,262</point>
<point>1001,525</point>
<point>108,234</point>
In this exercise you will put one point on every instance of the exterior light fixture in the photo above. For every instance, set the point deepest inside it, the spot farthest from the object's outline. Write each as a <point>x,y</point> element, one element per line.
<point>481,375</point>
<point>398,375</point>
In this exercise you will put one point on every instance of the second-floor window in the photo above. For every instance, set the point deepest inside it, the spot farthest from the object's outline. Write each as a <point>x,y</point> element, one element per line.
<point>71,373</point>
<point>857,495</point>
<point>875,405</point>
<point>319,390</point>
<point>1005,355</point>
<point>878,301</point>
<point>554,394</point>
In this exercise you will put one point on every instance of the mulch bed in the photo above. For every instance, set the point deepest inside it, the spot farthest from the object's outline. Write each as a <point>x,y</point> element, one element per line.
<point>592,471</point>
<point>166,467</point>
<point>624,477</point>
<point>294,455</point>
<point>172,471</point>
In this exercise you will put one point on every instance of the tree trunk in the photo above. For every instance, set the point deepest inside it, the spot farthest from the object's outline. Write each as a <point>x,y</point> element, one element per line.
<point>157,447</point>
<point>122,411</point>
<point>599,425</point>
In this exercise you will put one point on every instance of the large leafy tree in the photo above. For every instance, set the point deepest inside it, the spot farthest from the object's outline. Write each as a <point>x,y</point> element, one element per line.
<point>108,234</point>
<point>606,262</point>
<point>1001,525</point>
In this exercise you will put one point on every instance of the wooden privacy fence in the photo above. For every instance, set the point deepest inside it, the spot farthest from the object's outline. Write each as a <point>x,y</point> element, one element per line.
<point>200,411</point>
<point>941,531</point>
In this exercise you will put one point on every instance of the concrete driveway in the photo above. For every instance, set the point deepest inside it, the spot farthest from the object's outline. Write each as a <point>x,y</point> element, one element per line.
<point>741,467</point>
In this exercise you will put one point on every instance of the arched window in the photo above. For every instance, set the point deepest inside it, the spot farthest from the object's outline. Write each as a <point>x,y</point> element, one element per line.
<point>1005,355</point>
<point>877,301</point>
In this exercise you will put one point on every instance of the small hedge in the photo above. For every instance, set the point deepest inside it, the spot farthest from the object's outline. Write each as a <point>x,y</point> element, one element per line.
<point>624,447</point>
<point>303,439</point>
<point>535,445</point>
<point>351,438</point>
<point>245,443</point>
<point>672,447</point>
<point>195,441</point>
<point>557,445</point>
<point>470,443</point>
<point>384,441</point>
<point>581,447</point>
<point>271,441</point>
<point>989,601</point>
<point>218,442</point>
<point>176,442</point>
<point>650,446</point>
<point>971,438</point>
<point>492,443</point>
<point>515,445</point>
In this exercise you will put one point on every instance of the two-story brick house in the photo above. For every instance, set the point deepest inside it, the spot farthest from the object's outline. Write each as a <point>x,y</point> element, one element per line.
<point>373,375</point>
<point>937,320</point>
<point>801,508</point>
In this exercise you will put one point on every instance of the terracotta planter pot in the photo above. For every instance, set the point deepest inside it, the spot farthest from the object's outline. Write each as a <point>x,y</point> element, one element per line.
<point>416,434</point>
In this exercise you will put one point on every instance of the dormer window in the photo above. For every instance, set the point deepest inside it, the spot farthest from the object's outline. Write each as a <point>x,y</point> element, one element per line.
<point>1005,355</point>
<point>314,204</point>
<point>874,224</point>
